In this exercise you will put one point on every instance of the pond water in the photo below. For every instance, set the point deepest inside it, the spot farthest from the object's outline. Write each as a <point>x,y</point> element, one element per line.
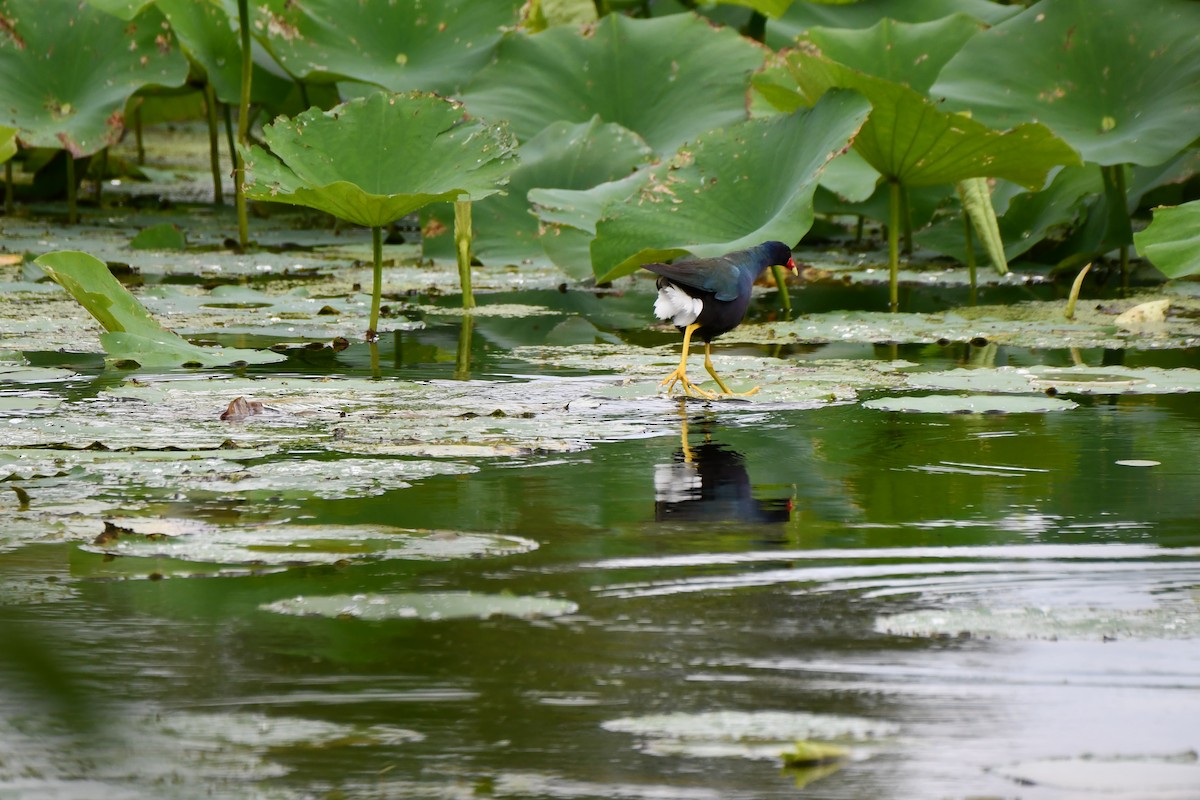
<point>972,605</point>
<point>487,559</point>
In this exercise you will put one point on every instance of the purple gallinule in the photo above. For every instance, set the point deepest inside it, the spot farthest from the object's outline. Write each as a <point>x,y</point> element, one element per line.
<point>708,297</point>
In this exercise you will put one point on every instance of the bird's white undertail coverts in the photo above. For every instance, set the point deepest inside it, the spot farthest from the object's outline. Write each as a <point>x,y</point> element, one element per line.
<point>677,305</point>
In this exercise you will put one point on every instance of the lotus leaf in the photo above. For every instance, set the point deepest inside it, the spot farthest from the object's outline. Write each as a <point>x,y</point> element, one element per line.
<point>623,71</point>
<point>69,69</point>
<point>1031,216</point>
<point>733,188</point>
<point>570,217</point>
<point>908,138</point>
<point>803,16</point>
<point>373,160</point>
<point>1117,80</point>
<point>434,46</point>
<point>909,53</point>
<point>1172,240</point>
<point>133,335</point>
<point>563,156</point>
<point>207,32</point>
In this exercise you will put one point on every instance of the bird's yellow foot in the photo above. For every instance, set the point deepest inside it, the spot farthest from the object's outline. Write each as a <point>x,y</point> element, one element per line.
<point>689,388</point>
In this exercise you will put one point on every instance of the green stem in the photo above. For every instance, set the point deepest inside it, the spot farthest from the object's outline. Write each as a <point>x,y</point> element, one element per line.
<point>99,170</point>
<point>858,230</point>
<point>377,281</point>
<point>894,246</point>
<point>906,220</point>
<point>1120,229</point>
<point>72,203</point>
<point>214,143</point>
<point>462,246</point>
<point>970,254</point>
<point>462,358</point>
<point>229,140</point>
<point>780,275</point>
<point>137,132</point>
<point>8,188</point>
<point>243,136</point>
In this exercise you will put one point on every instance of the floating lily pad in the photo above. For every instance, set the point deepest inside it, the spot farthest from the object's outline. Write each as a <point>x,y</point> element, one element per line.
<point>278,545</point>
<point>746,734</point>
<point>430,606</point>
<point>1062,380</point>
<point>1036,325</point>
<point>1167,622</point>
<point>970,404</point>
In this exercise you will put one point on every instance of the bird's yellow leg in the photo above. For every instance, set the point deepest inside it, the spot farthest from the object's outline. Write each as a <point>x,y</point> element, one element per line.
<point>708,365</point>
<point>680,374</point>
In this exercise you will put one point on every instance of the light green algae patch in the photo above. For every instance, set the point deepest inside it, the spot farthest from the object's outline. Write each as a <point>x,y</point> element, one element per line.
<point>970,404</point>
<point>292,545</point>
<point>1062,380</point>
<point>431,606</point>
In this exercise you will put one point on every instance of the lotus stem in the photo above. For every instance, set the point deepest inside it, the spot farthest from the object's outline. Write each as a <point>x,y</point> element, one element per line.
<point>99,170</point>
<point>970,244</point>
<point>377,281</point>
<point>1069,313</point>
<point>462,246</point>
<point>214,143</point>
<point>137,132</point>
<point>244,125</point>
<point>72,200</point>
<point>8,188</point>
<point>894,246</point>
<point>1120,229</point>
<point>906,219</point>
<point>780,275</point>
<point>462,358</point>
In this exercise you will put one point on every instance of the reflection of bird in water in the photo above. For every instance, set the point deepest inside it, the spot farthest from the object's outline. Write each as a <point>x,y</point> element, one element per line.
<point>709,482</point>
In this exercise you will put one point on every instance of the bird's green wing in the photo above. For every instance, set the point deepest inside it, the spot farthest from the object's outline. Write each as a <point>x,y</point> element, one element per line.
<point>716,275</point>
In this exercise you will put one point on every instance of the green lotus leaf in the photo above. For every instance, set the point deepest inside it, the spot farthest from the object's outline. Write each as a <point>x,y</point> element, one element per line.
<point>1172,240</point>
<point>133,335</point>
<point>733,188</point>
<point>70,68</point>
<point>375,159</point>
<point>435,45</point>
<point>1030,217</point>
<point>563,156</point>
<point>569,217</point>
<point>909,138</point>
<point>1117,80</point>
<point>802,16</point>
<point>909,53</point>
<point>624,71</point>
<point>207,33</point>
